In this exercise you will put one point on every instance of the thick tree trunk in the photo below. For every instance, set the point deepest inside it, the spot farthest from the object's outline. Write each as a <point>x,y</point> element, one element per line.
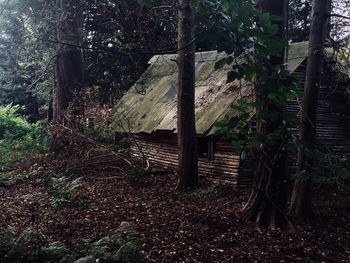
<point>187,143</point>
<point>69,63</point>
<point>301,198</point>
<point>267,203</point>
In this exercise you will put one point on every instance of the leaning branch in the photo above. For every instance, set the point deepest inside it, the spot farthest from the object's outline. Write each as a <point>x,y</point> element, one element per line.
<point>119,51</point>
<point>95,143</point>
<point>340,16</point>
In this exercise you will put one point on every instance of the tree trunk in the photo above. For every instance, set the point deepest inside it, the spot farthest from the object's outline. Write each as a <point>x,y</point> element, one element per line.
<point>301,197</point>
<point>69,76</point>
<point>268,201</point>
<point>186,127</point>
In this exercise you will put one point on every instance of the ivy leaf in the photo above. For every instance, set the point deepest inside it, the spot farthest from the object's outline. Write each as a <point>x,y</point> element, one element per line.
<point>225,5</point>
<point>147,3</point>
<point>276,18</point>
<point>231,76</point>
<point>250,73</point>
<point>219,64</point>
<point>265,20</point>
<point>229,60</point>
<point>273,46</point>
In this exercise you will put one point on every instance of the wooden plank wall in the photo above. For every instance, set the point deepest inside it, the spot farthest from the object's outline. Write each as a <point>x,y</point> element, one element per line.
<point>161,149</point>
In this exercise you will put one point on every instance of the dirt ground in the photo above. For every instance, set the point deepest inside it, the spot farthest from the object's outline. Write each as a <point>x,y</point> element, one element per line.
<point>199,226</point>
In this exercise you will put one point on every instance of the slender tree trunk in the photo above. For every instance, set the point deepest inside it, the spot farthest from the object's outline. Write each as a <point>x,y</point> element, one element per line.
<point>187,142</point>
<point>268,201</point>
<point>69,76</point>
<point>50,111</point>
<point>301,197</point>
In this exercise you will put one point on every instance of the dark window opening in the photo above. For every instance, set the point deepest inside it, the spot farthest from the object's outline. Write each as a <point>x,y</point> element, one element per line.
<point>205,148</point>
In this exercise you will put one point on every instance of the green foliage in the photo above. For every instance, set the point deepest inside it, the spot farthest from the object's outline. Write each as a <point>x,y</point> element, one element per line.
<point>124,145</point>
<point>19,139</point>
<point>122,246</point>
<point>7,241</point>
<point>9,179</point>
<point>201,192</point>
<point>334,173</point>
<point>135,175</point>
<point>65,191</point>
<point>13,126</point>
<point>5,181</point>
<point>62,188</point>
<point>53,251</point>
<point>124,34</point>
<point>147,3</point>
<point>13,248</point>
<point>299,20</point>
<point>26,64</point>
<point>100,135</point>
<point>249,37</point>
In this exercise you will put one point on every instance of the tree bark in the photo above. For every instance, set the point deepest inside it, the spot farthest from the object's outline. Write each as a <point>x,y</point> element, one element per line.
<point>186,127</point>
<point>301,197</point>
<point>69,72</point>
<point>268,201</point>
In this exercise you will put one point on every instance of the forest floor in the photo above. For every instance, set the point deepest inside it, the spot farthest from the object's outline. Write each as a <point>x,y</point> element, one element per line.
<point>199,226</point>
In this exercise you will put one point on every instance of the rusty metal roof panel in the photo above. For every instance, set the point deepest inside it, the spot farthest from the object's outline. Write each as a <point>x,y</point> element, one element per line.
<point>150,105</point>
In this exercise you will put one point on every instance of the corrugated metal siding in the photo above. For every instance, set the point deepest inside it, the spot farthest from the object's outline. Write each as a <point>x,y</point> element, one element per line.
<point>162,150</point>
<point>333,131</point>
<point>293,109</point>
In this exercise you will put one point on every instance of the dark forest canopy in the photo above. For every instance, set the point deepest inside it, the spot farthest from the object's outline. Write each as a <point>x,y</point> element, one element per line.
<point>119,39</point>
<point>174,131</point>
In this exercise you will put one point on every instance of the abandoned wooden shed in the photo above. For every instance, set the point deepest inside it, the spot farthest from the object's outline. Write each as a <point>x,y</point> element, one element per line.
<point>148,112</point>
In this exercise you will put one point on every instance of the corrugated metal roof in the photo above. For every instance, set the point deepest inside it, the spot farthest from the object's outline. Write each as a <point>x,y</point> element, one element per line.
<point>297,52</point>
<point>150,105</point>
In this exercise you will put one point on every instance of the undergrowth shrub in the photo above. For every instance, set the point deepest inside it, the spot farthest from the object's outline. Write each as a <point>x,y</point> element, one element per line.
<point>6,180</point>
<point>100,135</point>
<point>122,246</point>
<point>63,190</point>
<point>98,124</point>
<point>135,175</point>
<point>201,192</point>
<point>28,247</point>
<point>124,146</point>
<point>19,139</point>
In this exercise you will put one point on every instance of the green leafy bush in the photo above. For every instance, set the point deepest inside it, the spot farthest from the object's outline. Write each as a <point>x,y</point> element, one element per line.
<point>202,192</point>
<point>100,135</point>
<point>27,248</point>
<point>4,181</point>
<point>8,180</point>
<point>63,190</point>
<point>122,246</point>
<point>135,175</point>
<point>19,139</point>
